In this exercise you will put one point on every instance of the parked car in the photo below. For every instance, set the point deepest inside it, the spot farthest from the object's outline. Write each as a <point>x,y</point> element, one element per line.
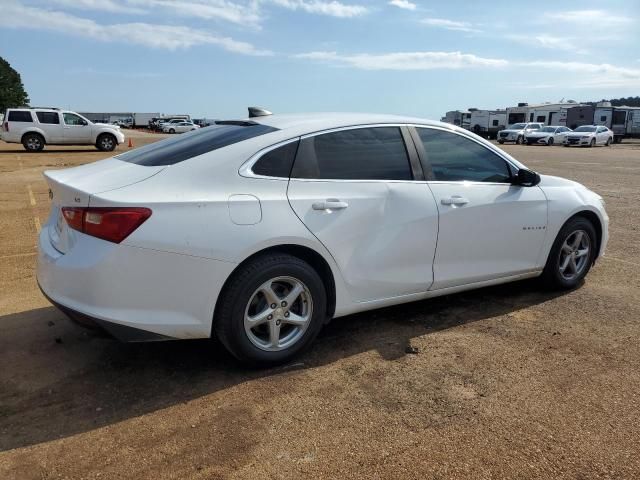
<point>548,135</point>
<point>37,127</point>
<point>179,127</point>
<point>589,136</point>
<point>517,132</point>
<point>259,231</point>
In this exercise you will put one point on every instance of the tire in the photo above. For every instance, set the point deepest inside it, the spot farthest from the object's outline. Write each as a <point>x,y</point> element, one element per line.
<point>172,130</point>
<point>608,144</point>
<point>106,142</point>
<point>592,143</point>
<point>501,142</point>
<point>565,145</point>
<point>33,142</point>
<point>557,274</point>
<point>519,140</point>
<point>243,299</point>
<point>550,142</point>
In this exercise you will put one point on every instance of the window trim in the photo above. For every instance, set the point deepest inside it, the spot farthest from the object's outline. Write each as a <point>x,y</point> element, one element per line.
<point>246,169</point>
<point>427,165</point>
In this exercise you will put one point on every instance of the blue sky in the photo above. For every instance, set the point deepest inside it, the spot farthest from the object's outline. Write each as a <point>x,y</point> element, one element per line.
<point>216,57</point>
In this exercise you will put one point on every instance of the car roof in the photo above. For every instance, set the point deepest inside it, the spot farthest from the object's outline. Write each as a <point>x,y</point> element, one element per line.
<point>302,123</point>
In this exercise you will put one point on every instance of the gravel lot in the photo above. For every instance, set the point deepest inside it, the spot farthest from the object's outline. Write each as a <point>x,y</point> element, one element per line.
<point>508,382</point>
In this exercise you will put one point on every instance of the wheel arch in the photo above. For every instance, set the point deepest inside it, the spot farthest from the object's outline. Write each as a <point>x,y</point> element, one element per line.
<point>312,257</point>
<point>36,131</point>
<point>597,224</point>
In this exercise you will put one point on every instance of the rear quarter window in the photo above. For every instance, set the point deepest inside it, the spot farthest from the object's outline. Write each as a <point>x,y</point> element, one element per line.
<point>20,116</point>
<point>277,162</point>
<point>48,117</point>
<point>192,144</point>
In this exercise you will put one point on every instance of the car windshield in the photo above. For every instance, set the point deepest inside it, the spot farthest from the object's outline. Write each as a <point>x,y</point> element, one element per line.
<point>548,129</point>
<point>192,144</point>
<point>518,126</point>
<point>585,129</point>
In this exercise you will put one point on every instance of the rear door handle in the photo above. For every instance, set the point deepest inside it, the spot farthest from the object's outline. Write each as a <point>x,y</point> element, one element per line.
<point>330,204</point>
<point>454,200</point>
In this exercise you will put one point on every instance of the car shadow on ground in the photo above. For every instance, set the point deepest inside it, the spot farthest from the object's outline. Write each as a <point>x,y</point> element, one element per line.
<point>50,150</point>
<point>79,380</point>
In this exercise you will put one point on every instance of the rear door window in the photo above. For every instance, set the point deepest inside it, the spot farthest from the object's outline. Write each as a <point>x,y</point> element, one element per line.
<point>48,117</point>
<point>374,153</point>
<point>194,143</point>
<point>20,116</point>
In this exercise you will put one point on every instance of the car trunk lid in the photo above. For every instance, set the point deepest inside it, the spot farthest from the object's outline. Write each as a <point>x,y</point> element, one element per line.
<point>73,187</point>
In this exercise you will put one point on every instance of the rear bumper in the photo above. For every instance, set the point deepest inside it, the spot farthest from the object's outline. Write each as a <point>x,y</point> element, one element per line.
<point>123,288</point>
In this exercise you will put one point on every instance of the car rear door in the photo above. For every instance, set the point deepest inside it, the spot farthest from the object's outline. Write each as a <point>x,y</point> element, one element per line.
<point>50,124</point>
<point>362,193</point>
<point>488,227</point>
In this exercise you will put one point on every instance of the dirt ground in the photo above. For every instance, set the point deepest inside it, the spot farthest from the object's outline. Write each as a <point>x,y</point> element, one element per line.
<point>508,382</point>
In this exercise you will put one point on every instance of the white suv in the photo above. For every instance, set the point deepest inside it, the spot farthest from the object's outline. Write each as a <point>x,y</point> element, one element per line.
<point>36,127</point>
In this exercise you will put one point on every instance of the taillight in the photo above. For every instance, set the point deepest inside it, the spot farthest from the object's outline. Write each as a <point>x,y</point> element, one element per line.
<point>113,224</point>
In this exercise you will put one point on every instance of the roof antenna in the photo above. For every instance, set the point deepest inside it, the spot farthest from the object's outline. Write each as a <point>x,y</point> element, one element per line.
<point>258,112</point>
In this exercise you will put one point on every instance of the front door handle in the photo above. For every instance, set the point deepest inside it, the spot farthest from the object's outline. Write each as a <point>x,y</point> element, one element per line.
<point>330,204</point>
<point>454,200</point>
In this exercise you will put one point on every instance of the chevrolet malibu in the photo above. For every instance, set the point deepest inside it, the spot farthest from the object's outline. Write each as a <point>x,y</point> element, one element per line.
<point>260,231</point>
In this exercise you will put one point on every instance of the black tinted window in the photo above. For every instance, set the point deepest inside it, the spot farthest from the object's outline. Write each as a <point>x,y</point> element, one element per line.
<point>48,117</point>
<point>20,116</point>
<point>192,144</point>
<point>277,162</point>
<point>376,153</point>
<point>455,158</point>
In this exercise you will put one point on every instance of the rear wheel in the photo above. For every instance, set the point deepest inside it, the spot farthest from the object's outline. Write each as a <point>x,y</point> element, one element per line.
<point>271,310</point>
<point>172,130</point>
<point>33,142</point>
<point>501,142</point>
<point>608,142</point>
<point>571,255</point>
<point>106,142</point>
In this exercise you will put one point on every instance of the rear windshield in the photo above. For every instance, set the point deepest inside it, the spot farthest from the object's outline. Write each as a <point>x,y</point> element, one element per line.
<point>192,144</point>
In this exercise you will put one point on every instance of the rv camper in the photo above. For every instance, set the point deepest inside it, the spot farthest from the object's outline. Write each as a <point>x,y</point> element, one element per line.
<point>580,115</point>
<point>549,113</point>
<point>519,114</point>
<point>487,123</point>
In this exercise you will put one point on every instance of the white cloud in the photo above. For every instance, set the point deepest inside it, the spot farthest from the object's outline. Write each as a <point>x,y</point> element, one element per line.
<point>405,4</point>
<point>598,18</point>
<point>543,40</point>
<point>170,37</point>
<point>241,14</point>
<point>103,5</point>
<point>586,74</point>
<point>405,60</point>
<point>331,8</point>
<point>449,24</point>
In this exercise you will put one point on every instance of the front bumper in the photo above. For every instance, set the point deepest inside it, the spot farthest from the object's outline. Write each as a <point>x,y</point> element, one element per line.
<point>124,288</point>
<point>577,141</point>
<point>537,140</point>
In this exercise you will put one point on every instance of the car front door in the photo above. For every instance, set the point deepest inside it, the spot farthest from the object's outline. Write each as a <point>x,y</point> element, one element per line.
<point>361,192</point>
<point>602,135</point>
<point>488,227</point>
<point>76,129</point>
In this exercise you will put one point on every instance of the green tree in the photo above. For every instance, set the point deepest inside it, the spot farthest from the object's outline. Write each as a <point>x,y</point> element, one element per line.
<point>12,93</point>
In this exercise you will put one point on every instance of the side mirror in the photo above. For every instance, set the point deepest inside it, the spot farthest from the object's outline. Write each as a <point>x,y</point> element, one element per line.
<point>526,178</point>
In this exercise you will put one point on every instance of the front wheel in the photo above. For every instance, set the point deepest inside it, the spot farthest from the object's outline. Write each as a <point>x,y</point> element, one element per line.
<point>501,142</point>
<point>106,143</point>
<point>271,310</point>
<point>519,140</point>
<point>608,144</point>
<point>550,142</point>
<point>592,143</point>
<point>572,255</point>
<point>172,130</point>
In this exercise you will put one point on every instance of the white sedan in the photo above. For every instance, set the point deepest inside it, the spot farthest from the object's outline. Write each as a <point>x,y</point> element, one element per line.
<point>548,136</point>
<point>589,136</point>
<point>259,231</point>
<point>179,127</point>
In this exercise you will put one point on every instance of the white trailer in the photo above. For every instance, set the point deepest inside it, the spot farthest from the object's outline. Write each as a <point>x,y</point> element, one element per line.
<point>550,113</point>
<point>518,114</point>
<point>141,120</point>
<point>625,122</point>
<point>487,123</point>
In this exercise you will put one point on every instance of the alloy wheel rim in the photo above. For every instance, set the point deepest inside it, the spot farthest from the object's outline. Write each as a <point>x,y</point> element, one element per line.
<point>33,143</point>
<point>107,142</point>
<point>574,255</point>
<point>278,314</point>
